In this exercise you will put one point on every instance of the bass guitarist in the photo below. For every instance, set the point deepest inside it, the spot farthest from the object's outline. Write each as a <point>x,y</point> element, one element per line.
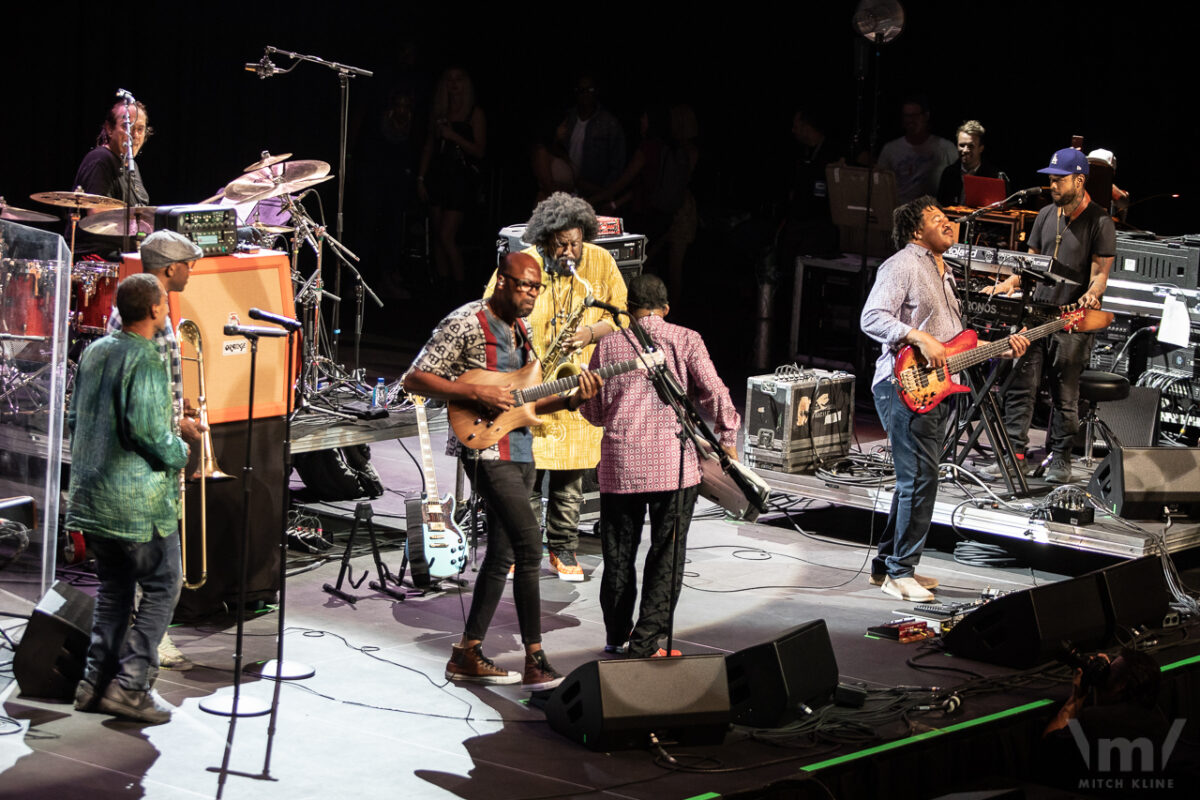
<point>913,302</point>
<point>491,334</point>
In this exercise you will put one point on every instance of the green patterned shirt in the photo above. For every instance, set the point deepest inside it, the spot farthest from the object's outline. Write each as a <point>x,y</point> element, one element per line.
<point>125,460</point>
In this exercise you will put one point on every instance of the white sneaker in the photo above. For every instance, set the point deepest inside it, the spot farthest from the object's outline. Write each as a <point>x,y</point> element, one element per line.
<point>907,589</point>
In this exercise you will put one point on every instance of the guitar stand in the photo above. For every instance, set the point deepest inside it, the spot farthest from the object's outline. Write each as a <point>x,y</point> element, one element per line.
<point>364,513</point>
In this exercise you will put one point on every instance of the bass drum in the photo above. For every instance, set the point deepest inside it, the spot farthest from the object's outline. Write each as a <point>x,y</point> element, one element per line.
<point>93,295</point>
<point>27,289</point>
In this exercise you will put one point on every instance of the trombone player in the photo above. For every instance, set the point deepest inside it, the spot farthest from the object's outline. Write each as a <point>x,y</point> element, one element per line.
<point>169,258</point>
<point>565,333</point>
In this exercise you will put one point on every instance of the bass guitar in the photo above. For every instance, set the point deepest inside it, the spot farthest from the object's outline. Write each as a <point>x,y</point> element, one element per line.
<point>922,387</point>
<point>435,548</point>
<point>479,430</point>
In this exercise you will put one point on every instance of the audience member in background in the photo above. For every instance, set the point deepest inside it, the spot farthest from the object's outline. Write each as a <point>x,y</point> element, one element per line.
<point>448,177</point>
<point>917,158</point>
<point>595,139</point>
<point>552,167</point>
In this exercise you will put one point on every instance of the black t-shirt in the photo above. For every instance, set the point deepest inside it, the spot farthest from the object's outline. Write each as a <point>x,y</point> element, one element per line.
<point>100,173</point>
<point>1090,235</point>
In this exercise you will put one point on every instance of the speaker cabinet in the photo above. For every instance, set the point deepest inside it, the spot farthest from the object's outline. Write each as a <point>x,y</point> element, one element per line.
<point>616,705</point>
<point>50,657</point>
<point>1134,593</point>
<point>1137,482</point>
<point>224,285</point>
<point>1027,628</point>
<point>769,682</point>
<point>224,537</point>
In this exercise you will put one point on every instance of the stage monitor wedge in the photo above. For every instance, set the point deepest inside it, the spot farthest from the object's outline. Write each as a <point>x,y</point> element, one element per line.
<point>1139,482</point>
<point>616,705</point>
<point>770,683</point>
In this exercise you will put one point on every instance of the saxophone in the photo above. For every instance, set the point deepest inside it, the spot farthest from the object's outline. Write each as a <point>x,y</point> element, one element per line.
<point>555,363</point>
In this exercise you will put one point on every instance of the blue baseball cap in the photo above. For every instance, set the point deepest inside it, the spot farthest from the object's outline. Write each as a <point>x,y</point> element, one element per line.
<point>1067,161</point>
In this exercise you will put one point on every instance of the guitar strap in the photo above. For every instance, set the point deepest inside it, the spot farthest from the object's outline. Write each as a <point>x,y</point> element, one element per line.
<point>492,349</point>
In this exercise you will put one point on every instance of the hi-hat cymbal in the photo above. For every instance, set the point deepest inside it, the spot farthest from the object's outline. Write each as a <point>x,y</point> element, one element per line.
<point>112,223</point>
<point>76,199</point>
<point>272,228</point>
<point>14,214</point>
<point>266,161</point>
<point>269,182</point>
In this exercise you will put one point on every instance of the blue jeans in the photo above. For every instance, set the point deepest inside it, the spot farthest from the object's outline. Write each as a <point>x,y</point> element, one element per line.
<point>122,649</point>
<point>916,441</point>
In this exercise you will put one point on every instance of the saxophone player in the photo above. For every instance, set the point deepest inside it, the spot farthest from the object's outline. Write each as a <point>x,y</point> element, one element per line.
<point>561,230</point>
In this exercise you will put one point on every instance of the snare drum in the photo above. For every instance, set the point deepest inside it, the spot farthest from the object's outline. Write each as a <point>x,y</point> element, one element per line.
<point>27,289</point>
<point>93,293</point>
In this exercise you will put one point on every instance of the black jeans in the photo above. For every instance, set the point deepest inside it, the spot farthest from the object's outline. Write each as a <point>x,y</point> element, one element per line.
<point>514,536</point>
<point>1064,356</point>
<point>563,503</point>
<point>621,520</point>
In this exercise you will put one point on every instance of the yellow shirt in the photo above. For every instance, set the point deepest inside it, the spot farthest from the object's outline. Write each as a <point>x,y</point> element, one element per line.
<point>565,440</point>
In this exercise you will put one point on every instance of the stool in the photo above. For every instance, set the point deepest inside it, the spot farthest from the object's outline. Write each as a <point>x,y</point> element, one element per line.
<point>1097,387</point>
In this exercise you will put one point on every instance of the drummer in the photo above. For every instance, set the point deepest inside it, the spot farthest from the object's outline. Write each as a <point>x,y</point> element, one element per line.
<point>100,173</point>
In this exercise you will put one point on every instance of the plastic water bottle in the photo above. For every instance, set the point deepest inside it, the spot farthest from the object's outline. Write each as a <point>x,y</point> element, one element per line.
<point>379,394</point>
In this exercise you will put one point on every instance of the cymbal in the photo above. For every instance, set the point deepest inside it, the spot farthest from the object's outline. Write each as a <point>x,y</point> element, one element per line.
<point>266,161</point>
<point>269,182</point>
<point>76,199</point>
<point>14,214</point>
<point>272,228</point>
<point>112,223</point>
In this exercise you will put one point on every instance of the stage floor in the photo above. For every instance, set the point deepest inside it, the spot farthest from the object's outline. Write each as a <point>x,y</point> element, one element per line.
<point>378,715</point>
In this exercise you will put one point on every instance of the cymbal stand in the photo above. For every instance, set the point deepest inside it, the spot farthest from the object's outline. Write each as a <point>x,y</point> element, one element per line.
<point>309,384</point>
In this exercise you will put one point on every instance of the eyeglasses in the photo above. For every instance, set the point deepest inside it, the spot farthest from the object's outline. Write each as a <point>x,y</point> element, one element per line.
<point>523,285</point>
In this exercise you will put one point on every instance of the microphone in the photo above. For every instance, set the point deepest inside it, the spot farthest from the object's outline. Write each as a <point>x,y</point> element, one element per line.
<point>1032,191</point>
<point>253,332</point>
<point>592,302</point>
<point>264,68</point>
<point>126,96</point>
<point>278,319</point>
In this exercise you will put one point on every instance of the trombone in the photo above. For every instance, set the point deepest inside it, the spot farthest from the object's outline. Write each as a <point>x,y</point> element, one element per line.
<point>207,468</point>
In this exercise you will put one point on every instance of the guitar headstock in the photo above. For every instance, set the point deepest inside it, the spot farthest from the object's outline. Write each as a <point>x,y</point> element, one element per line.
<point>1073,315</point>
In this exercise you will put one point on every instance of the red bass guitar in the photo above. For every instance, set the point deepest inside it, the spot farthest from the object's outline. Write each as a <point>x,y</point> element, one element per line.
<point>922,387</point>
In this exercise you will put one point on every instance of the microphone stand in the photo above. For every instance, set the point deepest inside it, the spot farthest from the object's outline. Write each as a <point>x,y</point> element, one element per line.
<point>277,669</point>
<point>235,707</point>
<point>344,72</point>
<point>126,172</point>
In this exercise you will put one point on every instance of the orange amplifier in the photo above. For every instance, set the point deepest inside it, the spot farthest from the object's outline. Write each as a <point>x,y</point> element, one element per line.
<point>231,285</point>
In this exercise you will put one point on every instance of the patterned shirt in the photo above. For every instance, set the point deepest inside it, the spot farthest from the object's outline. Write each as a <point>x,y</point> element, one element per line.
<point>565,440</point>
<point>472,337</point>
<point>908,293</point>
<point>125,459</point>
<point>168,348</point>
<point>640,451</point>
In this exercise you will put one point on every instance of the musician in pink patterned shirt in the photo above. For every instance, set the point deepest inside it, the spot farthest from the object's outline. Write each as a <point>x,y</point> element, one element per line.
<point>640,468</point>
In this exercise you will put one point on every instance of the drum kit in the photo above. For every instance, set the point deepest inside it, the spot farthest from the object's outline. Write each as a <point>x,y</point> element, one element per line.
<point>267,197</point>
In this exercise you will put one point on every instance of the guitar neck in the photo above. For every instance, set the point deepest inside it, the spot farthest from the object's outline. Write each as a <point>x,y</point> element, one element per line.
<point>533,393</point>
<point>978,355</point>
<point>431,489</point>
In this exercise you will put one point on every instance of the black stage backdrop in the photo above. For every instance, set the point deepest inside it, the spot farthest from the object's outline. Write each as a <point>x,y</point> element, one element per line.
<point>1034,72</point>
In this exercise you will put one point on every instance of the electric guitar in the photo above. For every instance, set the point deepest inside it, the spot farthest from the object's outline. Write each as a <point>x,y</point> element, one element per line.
<point>922,387</point>
<point>479,430</point>
<point>436,548</point>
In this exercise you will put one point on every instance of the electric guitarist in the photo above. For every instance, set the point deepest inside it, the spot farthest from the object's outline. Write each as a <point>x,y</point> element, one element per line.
<point>913,303</point>
<point>491,334</point>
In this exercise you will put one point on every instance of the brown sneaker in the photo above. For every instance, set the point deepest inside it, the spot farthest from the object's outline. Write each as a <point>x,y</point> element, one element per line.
<point>470,665</point>
<point>539,674</point>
